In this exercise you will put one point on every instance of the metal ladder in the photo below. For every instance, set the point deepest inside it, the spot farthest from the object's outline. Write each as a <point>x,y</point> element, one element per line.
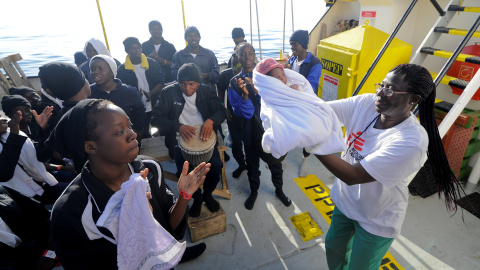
<point>469,88</point>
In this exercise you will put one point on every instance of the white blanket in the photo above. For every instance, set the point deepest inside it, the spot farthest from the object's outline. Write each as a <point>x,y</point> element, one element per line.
<point>296,119</point>
<point>142,242</point>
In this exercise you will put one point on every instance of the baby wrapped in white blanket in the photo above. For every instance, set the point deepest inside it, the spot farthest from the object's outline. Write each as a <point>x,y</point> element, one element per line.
<point>295,119</point>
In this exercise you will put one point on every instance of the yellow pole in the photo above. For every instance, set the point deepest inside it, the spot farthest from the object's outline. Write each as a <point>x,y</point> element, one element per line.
<point>103,26</point>
<point>184,25</point>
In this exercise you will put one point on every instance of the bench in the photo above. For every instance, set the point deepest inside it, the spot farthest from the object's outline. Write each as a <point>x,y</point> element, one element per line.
<point>155,147</point>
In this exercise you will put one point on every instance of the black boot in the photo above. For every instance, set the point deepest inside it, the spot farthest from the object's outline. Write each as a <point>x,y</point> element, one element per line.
<point>211,203</point>
<point>239,171</point>
<point>197,204</point>
<point>193,252</point>
<point>285,200</point>
<point>250,202</point>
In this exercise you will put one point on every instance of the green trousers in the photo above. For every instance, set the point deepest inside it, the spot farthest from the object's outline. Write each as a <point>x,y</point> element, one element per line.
<point>349,246</point>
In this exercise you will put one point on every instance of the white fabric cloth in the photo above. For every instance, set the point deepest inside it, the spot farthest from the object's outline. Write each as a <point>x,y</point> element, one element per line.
<point>7,236</point>
<point>190,114</point>
<point>157,47</point>
<point>388,155</point>
<point>22,180</point>
<point>297,64</point>
<point>294,119</point>
<point>142,242</point>
<point>143,84</point>
<point>98,46</point>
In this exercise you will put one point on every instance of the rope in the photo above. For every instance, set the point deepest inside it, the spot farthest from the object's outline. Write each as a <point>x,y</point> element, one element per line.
<point>103,26</point>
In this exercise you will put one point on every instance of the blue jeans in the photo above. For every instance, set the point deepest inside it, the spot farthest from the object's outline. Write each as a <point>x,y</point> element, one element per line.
<point>349,246</point>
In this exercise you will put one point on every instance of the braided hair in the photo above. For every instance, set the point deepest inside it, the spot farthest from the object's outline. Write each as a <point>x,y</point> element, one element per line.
<point>421,83</point>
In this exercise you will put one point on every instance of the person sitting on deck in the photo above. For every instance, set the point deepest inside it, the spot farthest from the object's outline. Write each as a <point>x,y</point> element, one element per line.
<point>103,71</point>
<point>93,47</point>
<point>159,49</point>
<point>307,64</point>
<point>245,103</point>
<point>100,132</point>
<point>145,74</point>
<point>182,106</point>
<point>234,122</point>
<point>204,58</point>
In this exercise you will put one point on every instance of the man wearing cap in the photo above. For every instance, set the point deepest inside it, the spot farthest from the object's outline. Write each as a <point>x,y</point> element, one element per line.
<point>103,70</point>
<point>238,36</point>
<point>305,63</point>
<point>159,49</point>
<point>145,74</point>
<point>181,106</point>
<point>194,53</point>
<point>65,82</point>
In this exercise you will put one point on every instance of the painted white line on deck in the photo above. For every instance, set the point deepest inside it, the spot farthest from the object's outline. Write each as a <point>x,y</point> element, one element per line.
<point>243,229</point>
<point>281,224</point>
<point>278,254</point>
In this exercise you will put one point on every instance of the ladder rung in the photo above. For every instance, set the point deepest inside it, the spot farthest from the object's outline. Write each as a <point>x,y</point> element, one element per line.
<point>453,31</point>
<point>446,54</point>
<point>464,9</point>
<point>452,81</point>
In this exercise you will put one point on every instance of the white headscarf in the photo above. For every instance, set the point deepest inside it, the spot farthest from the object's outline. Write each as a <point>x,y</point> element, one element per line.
<point>110,62</point>
<point>98,46</point>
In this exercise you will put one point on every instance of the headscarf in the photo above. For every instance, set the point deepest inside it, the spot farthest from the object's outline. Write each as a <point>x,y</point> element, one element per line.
<point>189,72</point>
<point>21,90</point>
<point>266,65</point>
<point>98,46</point>
<point>110,62</point>
<point>300,36</point>
<point>70,132</point>
<point>12,101</point>
<point>192,29</point>
<point>62,79</point>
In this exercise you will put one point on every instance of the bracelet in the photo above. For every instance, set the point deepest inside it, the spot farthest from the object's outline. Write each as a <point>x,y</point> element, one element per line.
<point>164,61</point>
<point>50,254</point>
<point>59,167</point>
<point>185,195</point>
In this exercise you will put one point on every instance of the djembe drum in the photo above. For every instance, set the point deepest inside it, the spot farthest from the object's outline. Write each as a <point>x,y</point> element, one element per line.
<point>196,150</point>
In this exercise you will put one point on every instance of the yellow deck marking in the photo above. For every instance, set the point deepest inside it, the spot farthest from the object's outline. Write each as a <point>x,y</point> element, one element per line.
<point>319,195</point>
<point>306,226</point>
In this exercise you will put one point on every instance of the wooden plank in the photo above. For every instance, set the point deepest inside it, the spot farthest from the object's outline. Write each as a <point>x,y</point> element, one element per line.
<point>207,223</point>
<point>11,72</point>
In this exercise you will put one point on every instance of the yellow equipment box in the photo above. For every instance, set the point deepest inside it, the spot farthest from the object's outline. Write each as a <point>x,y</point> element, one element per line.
<point>347,56</point>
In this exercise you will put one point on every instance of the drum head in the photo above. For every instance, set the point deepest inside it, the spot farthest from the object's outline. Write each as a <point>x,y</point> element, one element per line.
<point>196,144</point>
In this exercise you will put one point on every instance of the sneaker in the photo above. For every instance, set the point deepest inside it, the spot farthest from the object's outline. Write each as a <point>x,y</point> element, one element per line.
<point>250,202</point>
<point>283,198</point>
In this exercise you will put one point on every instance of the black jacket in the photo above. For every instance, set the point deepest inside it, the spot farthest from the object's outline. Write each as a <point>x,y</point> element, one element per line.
<point>72,244</point>
<point>9,155</point>
<point>154,75</point>
<point>166,51</point>
<point>170,105</point>
<point>126,97</point>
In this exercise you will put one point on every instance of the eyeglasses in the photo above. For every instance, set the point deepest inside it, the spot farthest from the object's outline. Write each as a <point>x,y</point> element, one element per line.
<point>387,91</point>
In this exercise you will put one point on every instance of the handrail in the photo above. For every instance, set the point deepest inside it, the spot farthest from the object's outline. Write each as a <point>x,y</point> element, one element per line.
<point>385,46</point>
<point>438,8</point>
<point>454,56</point>
<point>258,28</point>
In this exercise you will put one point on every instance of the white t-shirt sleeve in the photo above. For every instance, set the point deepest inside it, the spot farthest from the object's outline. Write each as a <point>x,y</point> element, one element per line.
<point>394,161</point>
<point>345,108</point>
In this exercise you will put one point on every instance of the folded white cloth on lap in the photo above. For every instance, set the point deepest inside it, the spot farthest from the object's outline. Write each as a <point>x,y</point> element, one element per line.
<point>296,119</point>
<point>142,243</point>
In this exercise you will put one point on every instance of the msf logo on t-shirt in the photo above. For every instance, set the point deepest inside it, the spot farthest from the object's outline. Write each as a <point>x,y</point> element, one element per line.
<point>358,144</point>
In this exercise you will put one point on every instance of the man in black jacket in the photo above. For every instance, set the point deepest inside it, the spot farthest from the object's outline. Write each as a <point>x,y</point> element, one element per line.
<point>182,106</point>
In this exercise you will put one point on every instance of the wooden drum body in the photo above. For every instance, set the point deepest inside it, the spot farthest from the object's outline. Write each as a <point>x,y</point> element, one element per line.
<point>195,150</point>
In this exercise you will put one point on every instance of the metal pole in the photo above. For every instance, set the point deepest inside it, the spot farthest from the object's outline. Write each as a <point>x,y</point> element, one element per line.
<point>438,8</point>
<point>184,24</point>
<point>284,22</point>
<point>293,27</point>
<point>258,27</point>
<point>251,29</point>
<point>103,26</point>
<point>385,46</point>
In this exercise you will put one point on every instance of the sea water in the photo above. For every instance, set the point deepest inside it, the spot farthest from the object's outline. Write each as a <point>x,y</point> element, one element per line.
<point>43,31</point>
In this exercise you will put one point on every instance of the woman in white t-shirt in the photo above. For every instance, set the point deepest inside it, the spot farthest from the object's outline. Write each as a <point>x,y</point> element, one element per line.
<point>385,145</point>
